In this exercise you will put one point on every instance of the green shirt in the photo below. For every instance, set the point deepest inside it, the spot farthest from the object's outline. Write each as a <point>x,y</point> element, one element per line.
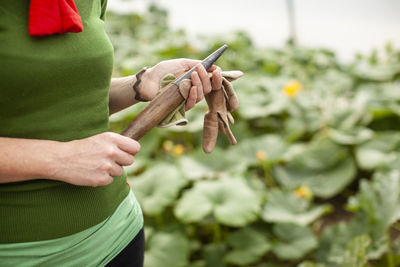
<point>54,88</point>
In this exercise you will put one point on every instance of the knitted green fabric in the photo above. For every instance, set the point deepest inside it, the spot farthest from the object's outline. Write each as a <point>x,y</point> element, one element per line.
<point>54,88</point>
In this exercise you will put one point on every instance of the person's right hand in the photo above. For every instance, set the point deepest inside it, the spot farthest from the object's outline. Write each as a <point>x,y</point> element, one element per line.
<point>94,161</point>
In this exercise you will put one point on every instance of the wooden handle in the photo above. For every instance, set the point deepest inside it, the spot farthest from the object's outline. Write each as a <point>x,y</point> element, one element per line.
<point>154,112</point>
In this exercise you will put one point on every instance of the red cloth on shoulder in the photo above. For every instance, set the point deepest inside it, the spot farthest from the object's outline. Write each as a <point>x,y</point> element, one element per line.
<point>48,17</point>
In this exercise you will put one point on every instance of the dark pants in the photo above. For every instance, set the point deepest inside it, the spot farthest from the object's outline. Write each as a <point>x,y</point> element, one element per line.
<point>132,255</point>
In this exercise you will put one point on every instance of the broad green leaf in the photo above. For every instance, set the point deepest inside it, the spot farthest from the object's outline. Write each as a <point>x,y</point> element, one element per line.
<point>158,187</point>
<point>377,208</point>
<point>260,96</point>
<point>248,247</point>
<point>320,154</point>
<point>294,241</point>
<point>347,112</point>
<point>378,73</point>
<point>286,207</point>
<point>198,263</point>
<point>268,264</point>
<point>201,165</point>
<point>356,252</point>
<point>325,167</point>
<point>230,200</point>
<point>379,198</point>
<point>354,136</point>
<point>310,264</point>
<point>335,239</point>
<point>213,255</point>
<point>383,148</point>
<point>167,249</point>
<point>272,148</point>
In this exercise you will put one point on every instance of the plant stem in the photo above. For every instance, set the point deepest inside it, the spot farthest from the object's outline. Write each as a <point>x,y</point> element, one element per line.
<point>389,254</point>
<point>217,233</point>
<point>159,220</point>
<point>267,175</point>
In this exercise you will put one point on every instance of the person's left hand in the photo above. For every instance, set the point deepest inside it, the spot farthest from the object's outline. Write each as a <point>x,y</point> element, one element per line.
<point>201,83</point>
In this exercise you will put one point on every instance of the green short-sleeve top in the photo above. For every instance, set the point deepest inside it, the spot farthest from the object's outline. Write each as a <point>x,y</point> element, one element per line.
<point>54,88</point>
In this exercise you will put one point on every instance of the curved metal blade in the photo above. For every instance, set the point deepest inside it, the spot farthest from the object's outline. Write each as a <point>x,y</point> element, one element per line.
<point>207,63</point>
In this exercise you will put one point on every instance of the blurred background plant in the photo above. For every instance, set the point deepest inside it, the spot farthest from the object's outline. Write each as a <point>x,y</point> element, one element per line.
<point>314,179</point>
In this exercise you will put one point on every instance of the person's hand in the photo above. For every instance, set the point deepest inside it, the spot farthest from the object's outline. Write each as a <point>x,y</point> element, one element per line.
<point>94,161</point>
<point>201,83</point>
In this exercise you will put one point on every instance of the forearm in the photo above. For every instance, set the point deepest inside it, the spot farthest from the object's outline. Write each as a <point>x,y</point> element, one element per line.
<point>26,159</point>
<point>121,93</point>
<point>92,161</point>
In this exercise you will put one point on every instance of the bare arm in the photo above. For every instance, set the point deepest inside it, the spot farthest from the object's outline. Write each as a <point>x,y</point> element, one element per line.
<point>121,93</point>
<point>26,159</point>
<point>92,161</point>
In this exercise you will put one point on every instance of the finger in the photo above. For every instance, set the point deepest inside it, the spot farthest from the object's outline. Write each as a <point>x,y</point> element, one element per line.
<point>103,180</point>
<point>187,64</point>
<point>124,159</point>
<point>214,67</point>
<point>191,100</point>
<point>116,170</point>
<point>216,80</point>
<point>128,145</point>
<point>197,82</point>
<point>205,80</point>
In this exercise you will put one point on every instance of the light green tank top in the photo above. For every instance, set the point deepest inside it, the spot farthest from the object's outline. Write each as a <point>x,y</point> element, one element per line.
<point>95,246</point>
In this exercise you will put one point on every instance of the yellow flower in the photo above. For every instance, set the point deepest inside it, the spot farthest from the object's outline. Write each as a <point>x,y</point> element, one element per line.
<point>178,150</point>
<point>261,156</point>
<point>167,146</point>
<point>304,192</point>
<point>292,88</point>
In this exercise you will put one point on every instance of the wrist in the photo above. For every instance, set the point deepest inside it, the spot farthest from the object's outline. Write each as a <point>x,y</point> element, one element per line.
<point>137,87</point>
<point>54,161</point>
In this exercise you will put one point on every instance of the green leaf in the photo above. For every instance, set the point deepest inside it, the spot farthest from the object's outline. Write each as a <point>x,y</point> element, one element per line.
<point>379,198</point>
<point>201,165</point>
<point>213,255</point>
<point>356,252</point>
<point>383,148</point>
<point>378,73</point>
<point>325,167</point>
<point>286,207</point>
<point>158,187</point>
<point>272,146</point>
<point>167,249</point>
<point>248,245</point>
<point>231,201</point>
<point>310,264</point>
<point>294,241</point>
<point>353,136</point>
<point>260,96</point>
<point>377,207</point>
<point>335,239</point>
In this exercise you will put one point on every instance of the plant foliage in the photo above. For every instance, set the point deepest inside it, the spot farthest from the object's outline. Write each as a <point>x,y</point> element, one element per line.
<point>314,179</point>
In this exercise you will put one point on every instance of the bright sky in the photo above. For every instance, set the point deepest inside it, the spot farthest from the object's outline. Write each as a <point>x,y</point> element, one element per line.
<point>346,26</point>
